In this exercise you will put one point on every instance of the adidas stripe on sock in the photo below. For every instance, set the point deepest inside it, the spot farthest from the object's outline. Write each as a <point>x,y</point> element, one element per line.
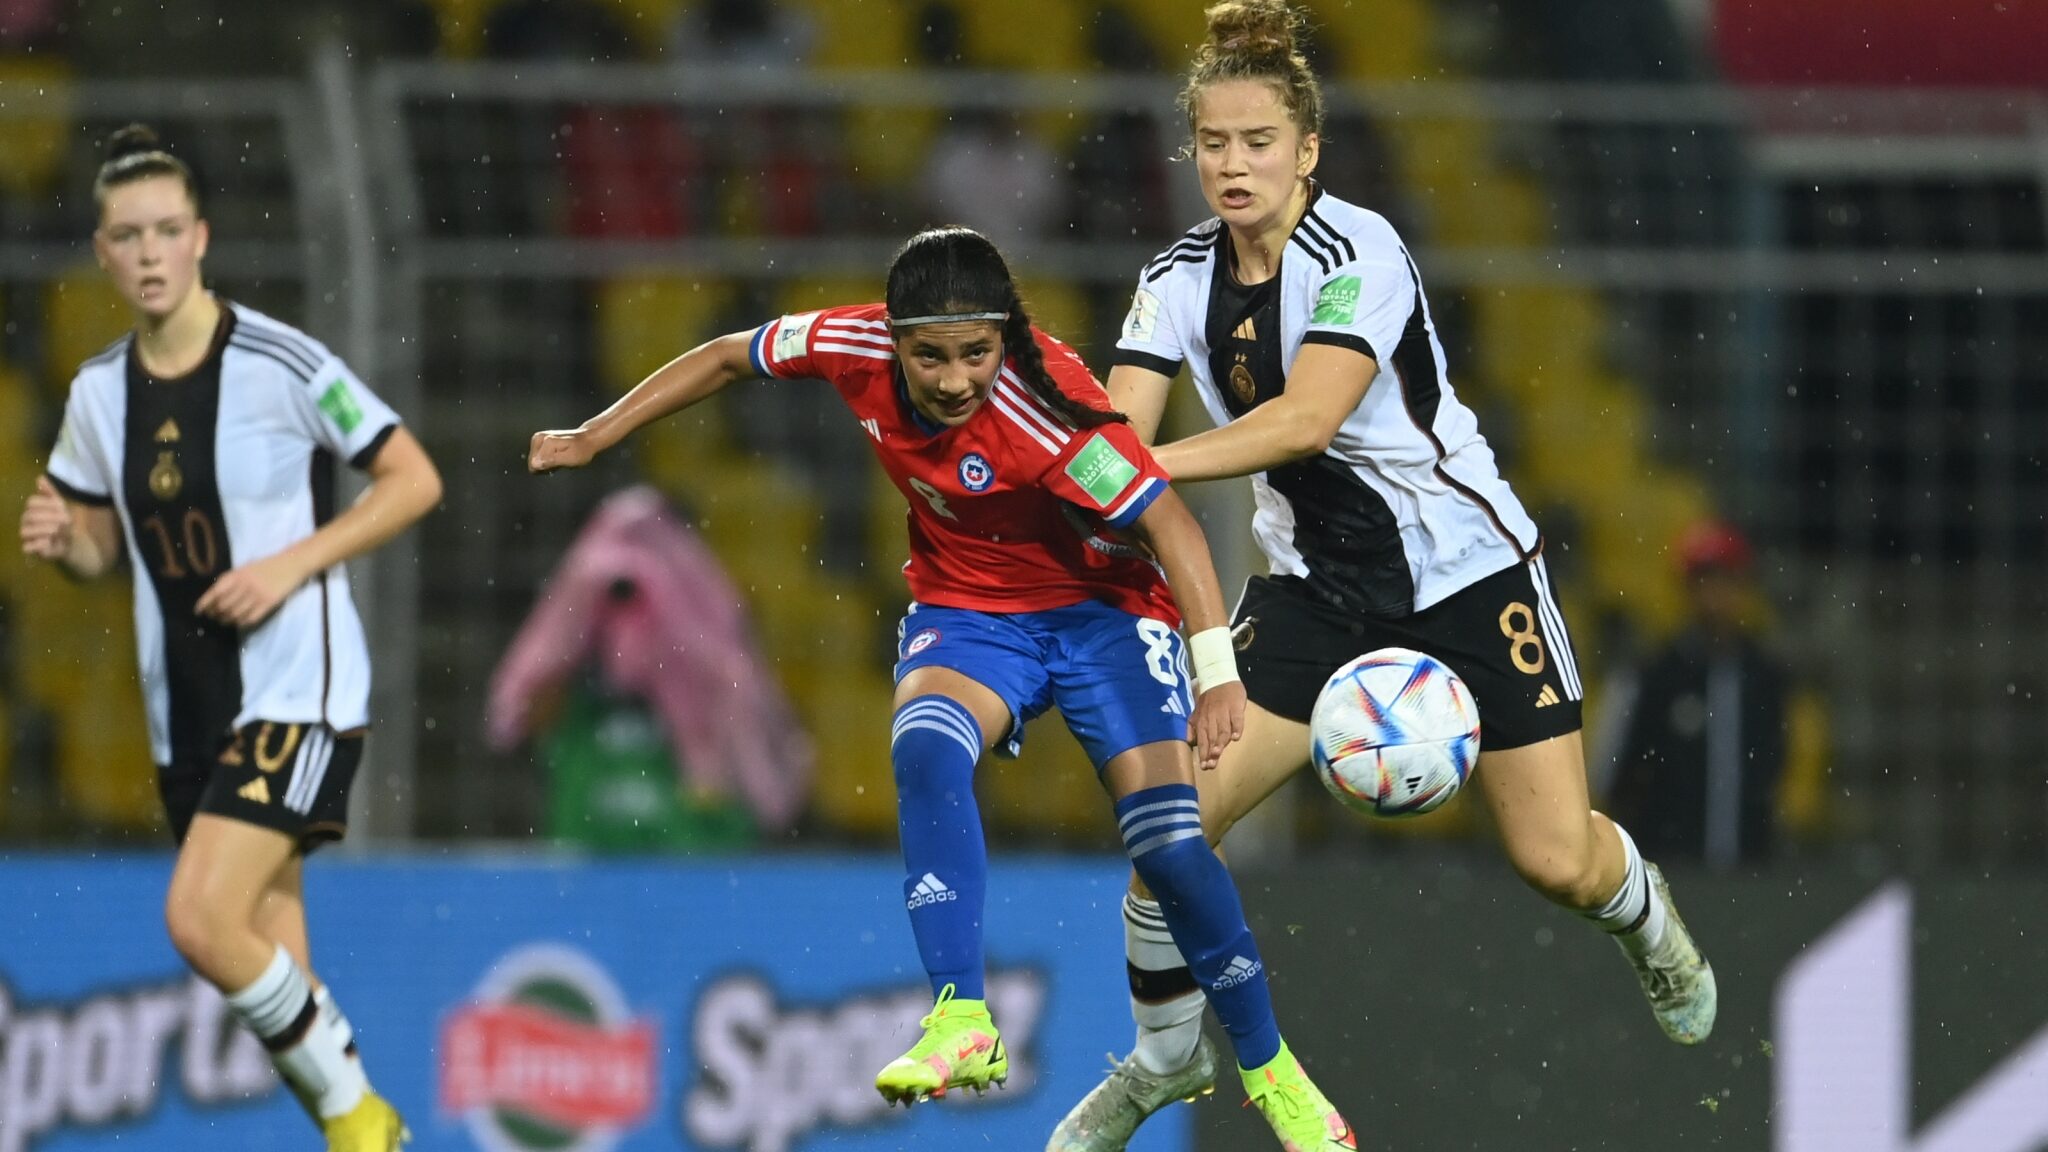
<point>1635,914</point>
<point>312,1048</point>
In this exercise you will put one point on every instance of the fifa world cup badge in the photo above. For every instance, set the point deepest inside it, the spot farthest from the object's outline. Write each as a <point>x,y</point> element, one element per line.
<point>166,479</point>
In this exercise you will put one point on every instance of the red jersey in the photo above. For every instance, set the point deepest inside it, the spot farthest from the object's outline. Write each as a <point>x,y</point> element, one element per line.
<point>1006,509</point>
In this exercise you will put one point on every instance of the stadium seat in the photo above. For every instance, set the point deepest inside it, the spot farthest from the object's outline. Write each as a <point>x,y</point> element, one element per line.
<point>462,25</point>
<point>82,313</point>
<point>33,146</point>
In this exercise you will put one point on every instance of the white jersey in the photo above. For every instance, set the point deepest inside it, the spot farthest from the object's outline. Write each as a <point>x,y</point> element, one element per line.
<point>1406,506</point>
<point>230,463</point>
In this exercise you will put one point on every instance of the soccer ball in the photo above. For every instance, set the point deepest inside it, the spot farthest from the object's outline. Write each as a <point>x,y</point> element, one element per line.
<point>1394,733</point>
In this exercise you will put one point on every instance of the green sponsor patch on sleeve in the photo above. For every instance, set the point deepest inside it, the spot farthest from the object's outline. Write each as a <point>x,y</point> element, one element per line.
<point>1338,302</point>
<point>1101,470</point>
<point>340,405</point>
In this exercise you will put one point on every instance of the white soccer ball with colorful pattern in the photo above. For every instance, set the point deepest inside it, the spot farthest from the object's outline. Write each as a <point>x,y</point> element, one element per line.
<point>1394,733</point>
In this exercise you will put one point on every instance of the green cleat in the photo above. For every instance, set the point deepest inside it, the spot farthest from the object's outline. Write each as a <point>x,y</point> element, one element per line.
<point>960,1049</point>
<point>1676,979</point>
<point>1300,1114</point>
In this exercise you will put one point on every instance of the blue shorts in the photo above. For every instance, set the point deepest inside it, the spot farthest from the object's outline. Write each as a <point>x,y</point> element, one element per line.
<point>1119,680</point>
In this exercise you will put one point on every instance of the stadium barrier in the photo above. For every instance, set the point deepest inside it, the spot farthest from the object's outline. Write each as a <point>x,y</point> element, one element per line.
<point>511,1004</point>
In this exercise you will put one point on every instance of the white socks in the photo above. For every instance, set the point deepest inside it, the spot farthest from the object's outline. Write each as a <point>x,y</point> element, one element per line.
<point>1635,915</point>
<point>309,1040</point>
<point>1165,1000</point>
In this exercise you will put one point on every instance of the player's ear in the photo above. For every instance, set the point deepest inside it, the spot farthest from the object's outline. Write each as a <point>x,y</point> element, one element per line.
<point>1311,151</point>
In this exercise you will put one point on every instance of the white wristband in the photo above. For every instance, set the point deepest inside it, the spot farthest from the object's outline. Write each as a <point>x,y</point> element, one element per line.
<point>1215,659</point>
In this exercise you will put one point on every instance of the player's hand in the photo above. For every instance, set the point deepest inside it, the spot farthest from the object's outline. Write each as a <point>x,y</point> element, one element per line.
<point>1218,722</point>
<point>46,523</point>
<point>246,596</point>
<point>560,448</point>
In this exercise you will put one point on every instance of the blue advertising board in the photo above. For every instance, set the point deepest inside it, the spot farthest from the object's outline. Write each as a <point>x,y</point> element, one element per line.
<point>514,1005</point>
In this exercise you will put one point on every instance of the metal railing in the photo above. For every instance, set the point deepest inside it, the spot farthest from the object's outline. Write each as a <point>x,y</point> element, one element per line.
<point>1870,409</point>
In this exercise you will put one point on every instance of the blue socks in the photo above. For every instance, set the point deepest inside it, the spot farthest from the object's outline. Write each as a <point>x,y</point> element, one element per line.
<point>1162,831</point>
<point>933,745</point>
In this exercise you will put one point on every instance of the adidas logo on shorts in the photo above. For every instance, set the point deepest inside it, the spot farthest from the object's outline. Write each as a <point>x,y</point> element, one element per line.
<point>930,890</point>
<point>1239,971</point>
<point>1547,697</point>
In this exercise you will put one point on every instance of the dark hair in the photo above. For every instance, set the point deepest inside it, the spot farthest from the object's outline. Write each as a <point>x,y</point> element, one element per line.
<point>943,271</point>
<point>135,153</point>
<point>1256,40</point>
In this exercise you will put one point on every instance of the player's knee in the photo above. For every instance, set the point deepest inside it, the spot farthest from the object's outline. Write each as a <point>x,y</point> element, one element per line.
<point>1217,821</point>
<point>196,927</point>
<point>1562,872</point>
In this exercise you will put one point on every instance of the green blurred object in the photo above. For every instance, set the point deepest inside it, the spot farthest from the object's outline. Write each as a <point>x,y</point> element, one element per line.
<point>613,784</point>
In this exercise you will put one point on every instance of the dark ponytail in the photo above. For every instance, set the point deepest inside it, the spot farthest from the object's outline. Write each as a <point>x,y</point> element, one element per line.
<point>136,153</point>
<point>947,271</point>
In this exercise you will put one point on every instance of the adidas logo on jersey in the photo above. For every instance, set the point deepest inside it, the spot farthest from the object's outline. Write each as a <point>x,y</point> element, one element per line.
<point>1547,697</point>
<point>1237,972</point>
<point>255,790</point>
<point>874,428</point>
<point>930,890</point>
<point>168,432</point>
<point>1245,331</point>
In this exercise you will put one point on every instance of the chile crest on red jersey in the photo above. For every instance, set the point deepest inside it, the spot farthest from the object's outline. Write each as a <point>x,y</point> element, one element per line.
<point>992,500</point>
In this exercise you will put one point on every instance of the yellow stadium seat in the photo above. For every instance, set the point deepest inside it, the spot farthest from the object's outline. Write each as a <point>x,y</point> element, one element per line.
<point>77,654</point>
<point>648,20</point>
<point>807,295</point>
<point>859,35</point>
<point>32,146</point>
<point>644,322</point>
<point>462,25</point>
<point>20,459</point>
<point>84,313</point>
<point>1061,309</point>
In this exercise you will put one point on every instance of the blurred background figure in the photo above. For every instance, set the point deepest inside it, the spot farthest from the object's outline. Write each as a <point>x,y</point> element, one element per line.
<point>637,680</point>
<point>1717,750</point>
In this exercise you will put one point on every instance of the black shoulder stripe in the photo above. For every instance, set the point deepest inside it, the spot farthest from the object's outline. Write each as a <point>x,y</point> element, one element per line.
<point>1191,240</point>
<point>1350,253</point>
<point>1321,260</point>
<point>1315,230</point>
<point>248,339</point>
<point>303,375</point>
<point>304,354</point>
<point>1152,275</point>
<point>1182,248</point>
<point>281,334</point>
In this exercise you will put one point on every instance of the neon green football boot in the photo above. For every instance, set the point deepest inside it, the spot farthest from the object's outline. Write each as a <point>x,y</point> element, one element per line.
<point>1300,1114</point>
<point>960,1049</point>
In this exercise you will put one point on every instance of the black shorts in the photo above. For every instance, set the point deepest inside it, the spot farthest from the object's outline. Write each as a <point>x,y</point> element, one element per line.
<point>293,778</point>
<point>1503,636</point>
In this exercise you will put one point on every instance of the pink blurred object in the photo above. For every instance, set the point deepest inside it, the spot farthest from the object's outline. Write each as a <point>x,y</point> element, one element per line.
<point>1713,545</point>
<point>679,640</point>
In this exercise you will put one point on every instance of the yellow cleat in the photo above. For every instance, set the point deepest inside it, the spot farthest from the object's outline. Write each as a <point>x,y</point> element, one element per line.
<point>960,1049</point>
<point>373,1125</point>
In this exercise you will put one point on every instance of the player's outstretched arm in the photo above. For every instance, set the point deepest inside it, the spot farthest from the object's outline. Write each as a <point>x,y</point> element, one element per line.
<point>1175,537</point>
<point>1324,387</point>
<point>82,540</point>
<point>676,385</point>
